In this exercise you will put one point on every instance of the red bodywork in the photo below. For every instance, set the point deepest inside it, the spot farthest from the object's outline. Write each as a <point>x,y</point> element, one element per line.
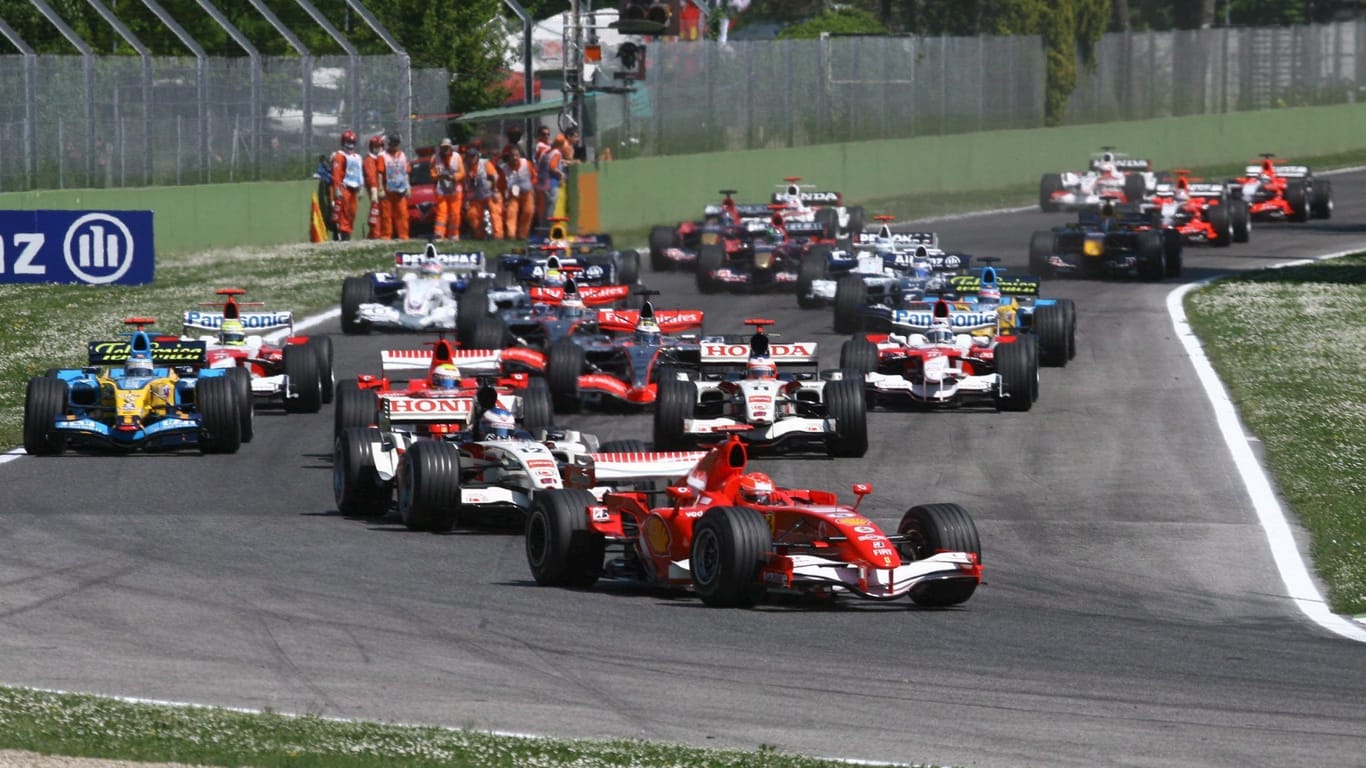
<point>1271,199</point>
<point>265,360</point>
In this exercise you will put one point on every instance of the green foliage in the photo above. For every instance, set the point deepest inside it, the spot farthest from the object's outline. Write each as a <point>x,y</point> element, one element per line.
<point>842,21</point>
<point>465,37</point>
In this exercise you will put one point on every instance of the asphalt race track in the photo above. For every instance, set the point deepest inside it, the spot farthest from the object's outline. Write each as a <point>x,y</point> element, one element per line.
<point>1132,614</point>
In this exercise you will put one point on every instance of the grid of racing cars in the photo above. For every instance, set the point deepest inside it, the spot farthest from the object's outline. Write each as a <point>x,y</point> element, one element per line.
<point>461,425</point>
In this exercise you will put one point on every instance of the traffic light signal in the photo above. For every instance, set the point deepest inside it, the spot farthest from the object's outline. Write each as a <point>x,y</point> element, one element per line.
<point>648,17</point>
<point>632,57</point>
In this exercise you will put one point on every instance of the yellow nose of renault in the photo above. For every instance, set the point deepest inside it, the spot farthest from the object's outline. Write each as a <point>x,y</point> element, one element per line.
<point>1093,246</point>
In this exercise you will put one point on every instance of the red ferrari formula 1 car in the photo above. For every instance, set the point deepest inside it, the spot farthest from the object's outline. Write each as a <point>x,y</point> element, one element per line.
<point>1201,212</point>
<point>1283,192</point>
<point>732,536</point>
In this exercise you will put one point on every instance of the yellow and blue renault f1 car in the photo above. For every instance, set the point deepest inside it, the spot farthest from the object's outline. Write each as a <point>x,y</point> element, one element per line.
<point>144,391</point>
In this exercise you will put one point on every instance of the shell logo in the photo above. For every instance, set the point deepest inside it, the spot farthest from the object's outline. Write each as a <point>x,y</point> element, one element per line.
<point>852,520</point>
<point>655,532</point>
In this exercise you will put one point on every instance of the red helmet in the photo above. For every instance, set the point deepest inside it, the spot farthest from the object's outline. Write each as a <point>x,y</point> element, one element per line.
<point>348,140</point>
<point>756,488</point>
<point>377,141</point>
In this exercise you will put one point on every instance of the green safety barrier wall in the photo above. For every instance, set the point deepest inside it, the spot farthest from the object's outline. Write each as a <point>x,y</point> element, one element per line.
<point>195,217</point>
<point>656,190</point>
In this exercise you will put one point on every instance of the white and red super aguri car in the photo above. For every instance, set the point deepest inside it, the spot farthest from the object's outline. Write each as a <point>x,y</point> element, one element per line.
<point>731,536</point>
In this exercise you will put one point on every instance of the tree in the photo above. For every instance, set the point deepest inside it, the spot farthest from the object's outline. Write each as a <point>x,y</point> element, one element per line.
<point>842,21</point>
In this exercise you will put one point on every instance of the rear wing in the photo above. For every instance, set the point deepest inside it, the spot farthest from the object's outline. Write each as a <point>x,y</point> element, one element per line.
<point>745,210</point>
<point>580,243</point>
<point>961,318</point>
<point>669,320</point>
<point>166,350</point>
<point>1123,164</point>
<point>472,362</point>
<point>899,239</point>
<point>1292,171</point>
<point>592,295</point>
<point>808,196</point>
<point>254,322</point>
<point>1206,189</point>
<point>469,261</point>
<point>1009,286</point>
<point>644,464</point>
<point>803,227</point>
<point>719,350</point>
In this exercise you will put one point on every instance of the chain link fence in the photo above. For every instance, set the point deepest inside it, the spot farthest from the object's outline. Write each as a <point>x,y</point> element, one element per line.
<point>123,121</point>
<point>1191,72</point>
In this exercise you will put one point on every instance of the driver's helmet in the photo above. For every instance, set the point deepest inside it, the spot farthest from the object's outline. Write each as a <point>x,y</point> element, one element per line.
<point>572,306</point>
<point>756,488</point>
<point>921,269</point>
<point>497,423</point>
<point>138,364</point>
<point>432,269</point>
<point>647,331</point>
<point>1107,168</point>
<point>773,232</point>
<point>989,294</point>
<point>939,334</point>
<point>761,368</point>
<point>233,333</point>
<point>446,376</point>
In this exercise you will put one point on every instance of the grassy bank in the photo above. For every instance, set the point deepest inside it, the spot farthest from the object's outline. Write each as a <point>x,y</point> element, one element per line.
<point>1290,345</point>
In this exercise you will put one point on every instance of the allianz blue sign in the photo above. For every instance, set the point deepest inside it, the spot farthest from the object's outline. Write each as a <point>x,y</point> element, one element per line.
<point>92,247</point>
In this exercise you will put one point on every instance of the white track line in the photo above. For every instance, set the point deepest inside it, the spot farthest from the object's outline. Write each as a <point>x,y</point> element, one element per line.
<point>1299,584</point>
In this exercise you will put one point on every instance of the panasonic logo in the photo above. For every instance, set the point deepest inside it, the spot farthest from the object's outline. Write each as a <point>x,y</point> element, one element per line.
<point>253,320</point>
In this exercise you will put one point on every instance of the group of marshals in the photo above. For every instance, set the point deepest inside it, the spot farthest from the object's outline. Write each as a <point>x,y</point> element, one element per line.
<point>491,199</point>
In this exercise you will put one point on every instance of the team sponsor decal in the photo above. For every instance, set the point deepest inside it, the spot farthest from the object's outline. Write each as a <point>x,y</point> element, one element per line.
<point>656,534</point>
<point>540,464</point>
<point>599,514</point>
<point>250,320</point>
<point>458,406</point>
<point>470,259</point>
<point>924,319</point>
<point>93,247</point>
<point>163,351</point>
<point>854,521</point>
<point>807,197</point>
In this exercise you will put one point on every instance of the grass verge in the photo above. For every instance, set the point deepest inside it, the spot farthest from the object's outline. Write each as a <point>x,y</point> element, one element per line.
<point>1290,345</point>
<point>91,726</point>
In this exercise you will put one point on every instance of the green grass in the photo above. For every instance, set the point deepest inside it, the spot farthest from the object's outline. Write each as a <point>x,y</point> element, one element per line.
<point>1290,345</point>
<point>90,726</point>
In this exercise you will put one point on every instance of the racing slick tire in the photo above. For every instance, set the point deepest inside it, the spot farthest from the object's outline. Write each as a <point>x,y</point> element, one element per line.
<point>1151,252</point>
<point>1055,334</point>
<point>813,267</point>
<point>675,403</point>
<point>931,528</point>
<point>854,226</point>
<point>662,238</point>
<point>564,364</point>
<point>628,267</point>
<point>305,393</point>
<point>1048,184</point>
<point>355,407</point>
<point>429,486</point>
<point>241,387</point>
<point>1241,213</point>
<point>538,412</point>
<point>489,332</point>
<point>628,445</point>
<point>1042,246</point>
<point>44,402</point>
<point>1321,199</point>
<point>1019,377</point>
<point>729,548</point>
<point>220,426</point>
<point>1221,222</point>
<point>1031,344</point>
<point>850,295</point>
<point>1297,195</point>
<point>859,354</point>
<point>322,347</point>
<point>356,486</point>
<point>355,292</point>
<point>1069,308</point>
<point>829,219</point>
<point>472,306</point>
<point>1135,188</point>
<point>560,548</point>
<point>846,403</point>
<point>710,257</point>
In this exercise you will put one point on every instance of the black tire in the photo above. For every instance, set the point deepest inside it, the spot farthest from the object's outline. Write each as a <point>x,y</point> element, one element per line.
<point>846,403</point>
<point>813,267</point>
<point>710,258</point>
<point>322,347</point>
<point>1241,213</point>
<point>1048,184</point>
<point>1019,374</point>
<point>1152,255</point>
<point>1297,195</point>
<point>675,402</point>
<point>1042,245</point>
<point>850,295</point>
<point>356,486</point>
<point>856,222</point>
<point>662,238</point>
<point>564,364</point>
<point>471,307</point>
<point>45,401</point>
<point>429,486</point>
<point>538,412</point>
<point>859,354</point>
<point>305,380</point>
<point>490,332</point>
<point>1321,199</point>
<point>1069,308</point>
<point>1031,345</point>
<point>355,407</point>
<point>932,528</point>
<point>1054,334</point>
<point>560,548</point>
<point>355,292</point>
<point>629,445</point>
<point>1221,221</point>
<point>241,387</point>
<point>220,427</point>
<point>829,219</point>
<point>628,267</point>
<point>729,547</point>
<point>1135,188</point>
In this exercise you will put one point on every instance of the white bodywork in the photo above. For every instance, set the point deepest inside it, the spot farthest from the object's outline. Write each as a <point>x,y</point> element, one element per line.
<point>262,387</point>
<point>944,378</point>
<point>912,249</point>
<point>425,304</point>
